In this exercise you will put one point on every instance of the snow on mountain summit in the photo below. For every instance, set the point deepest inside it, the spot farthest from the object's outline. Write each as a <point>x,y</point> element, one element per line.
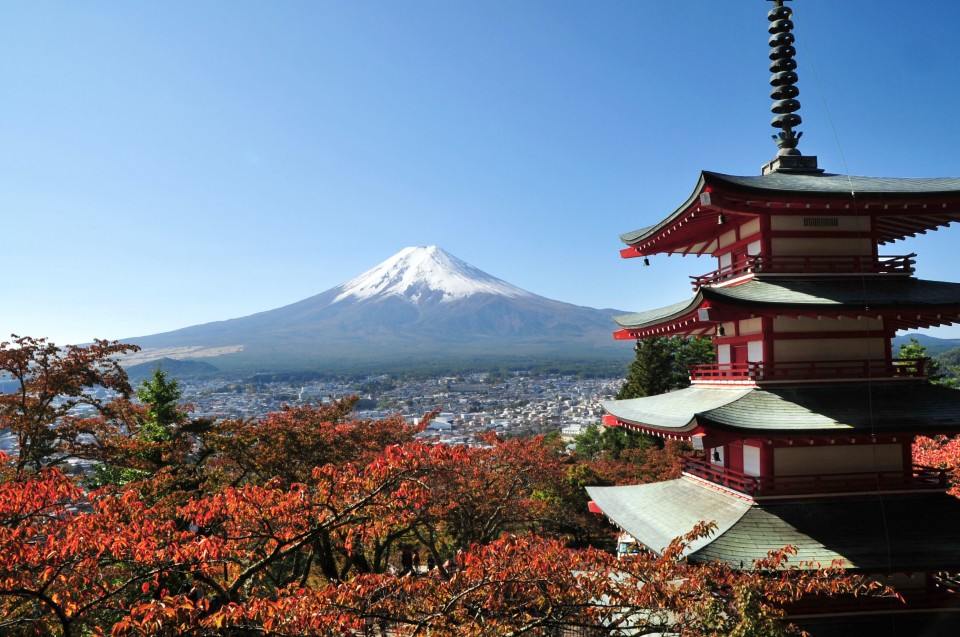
<point>425,272</point>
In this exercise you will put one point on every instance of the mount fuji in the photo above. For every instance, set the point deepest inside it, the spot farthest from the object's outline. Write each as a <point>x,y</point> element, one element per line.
<point>422,307</point>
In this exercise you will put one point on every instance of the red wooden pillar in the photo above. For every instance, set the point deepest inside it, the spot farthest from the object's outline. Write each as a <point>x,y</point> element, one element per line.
<point>766,461</point>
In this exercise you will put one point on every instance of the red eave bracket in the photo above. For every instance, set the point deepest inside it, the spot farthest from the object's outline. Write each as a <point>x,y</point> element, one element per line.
<point>623,335</point>
<point>593,508</point>
<point>610,420</point>
<point>629,253</point>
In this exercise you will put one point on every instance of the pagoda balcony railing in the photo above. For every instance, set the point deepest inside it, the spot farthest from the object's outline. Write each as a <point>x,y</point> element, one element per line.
<point>914,478</point>
<point>813,265</point>
<point>809,370</point>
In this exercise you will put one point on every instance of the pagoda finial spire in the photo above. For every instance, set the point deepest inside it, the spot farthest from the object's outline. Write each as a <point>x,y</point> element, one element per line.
<point>784,94</point>
<point>782,65</point>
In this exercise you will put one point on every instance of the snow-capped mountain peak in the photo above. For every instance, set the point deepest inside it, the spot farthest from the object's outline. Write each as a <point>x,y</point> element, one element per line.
<point>425,272</point>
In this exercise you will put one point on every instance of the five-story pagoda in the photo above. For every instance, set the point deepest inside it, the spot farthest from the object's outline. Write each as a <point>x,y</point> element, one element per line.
<point>805,424</point>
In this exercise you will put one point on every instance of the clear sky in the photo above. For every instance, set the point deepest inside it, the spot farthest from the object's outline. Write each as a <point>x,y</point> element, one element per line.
<point>164,164</point>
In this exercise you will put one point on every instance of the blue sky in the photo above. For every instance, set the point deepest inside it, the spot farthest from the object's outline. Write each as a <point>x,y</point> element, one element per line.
<point>175,163</point>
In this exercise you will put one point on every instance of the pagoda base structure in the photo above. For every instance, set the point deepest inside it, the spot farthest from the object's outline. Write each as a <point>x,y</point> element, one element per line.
<point>823,467</point>
<point>839,530</point>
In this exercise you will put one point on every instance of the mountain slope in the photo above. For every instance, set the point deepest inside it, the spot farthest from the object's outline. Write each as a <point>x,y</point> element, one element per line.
<point>422,305</point>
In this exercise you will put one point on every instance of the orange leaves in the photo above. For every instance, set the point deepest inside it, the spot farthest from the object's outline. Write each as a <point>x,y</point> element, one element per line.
<point>291,443</point>
<point>51,382</point>
<point>940,452</point>
<point>317,508</point>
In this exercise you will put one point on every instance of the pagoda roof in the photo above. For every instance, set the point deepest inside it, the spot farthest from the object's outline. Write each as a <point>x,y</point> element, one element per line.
<point>875,533</point>
<point>850,408</point>
<point>833,184</point>
<point>885,295</point>
<point>696,220</point>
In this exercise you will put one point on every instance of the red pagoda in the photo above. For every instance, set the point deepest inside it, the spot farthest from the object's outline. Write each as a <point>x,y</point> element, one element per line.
<point>803,428</point>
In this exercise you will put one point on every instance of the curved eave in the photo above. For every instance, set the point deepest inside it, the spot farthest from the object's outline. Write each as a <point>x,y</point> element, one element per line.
<point>853,408</point>
<point>690,229</point>
<point>657,513</point>
<point>637,236</point>
<point>835,185</point>
<point>903,302</point>
<point>848,409</point>
<point>672,414</point>
<point>916,532</point>
<point>902,207</point>
<point>678,318</point>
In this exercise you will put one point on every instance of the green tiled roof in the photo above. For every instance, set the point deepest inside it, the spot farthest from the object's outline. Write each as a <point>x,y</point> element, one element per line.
<point>846,407</point>
<point>809,184</point>
<point>880,293</point>
<point>860,407</point>
<point>657,513</point>
<point>875,533</point>
<point>658,315</point>
<point>877,292</point>
<point>828,183</point>
<point>872,533</point>
<point>676,411</point>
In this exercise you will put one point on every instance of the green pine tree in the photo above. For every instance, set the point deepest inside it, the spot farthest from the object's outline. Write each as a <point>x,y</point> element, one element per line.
<point>662,364</point>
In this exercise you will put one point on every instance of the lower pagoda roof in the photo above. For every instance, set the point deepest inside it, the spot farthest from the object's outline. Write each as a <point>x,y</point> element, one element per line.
<point>876,533</point>
<point>907,301</point>
<point>854,408</point>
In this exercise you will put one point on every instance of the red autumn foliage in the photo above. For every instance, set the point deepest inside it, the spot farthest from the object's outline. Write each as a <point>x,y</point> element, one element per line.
<point>940,452</point>
<point>291,525</point>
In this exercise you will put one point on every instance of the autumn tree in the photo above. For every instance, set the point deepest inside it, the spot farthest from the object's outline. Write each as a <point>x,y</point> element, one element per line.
<point>52,385</point>
<point>243,560</point>
<point>143,439</point>
<point>290,443</point>
<point>288,525</point>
